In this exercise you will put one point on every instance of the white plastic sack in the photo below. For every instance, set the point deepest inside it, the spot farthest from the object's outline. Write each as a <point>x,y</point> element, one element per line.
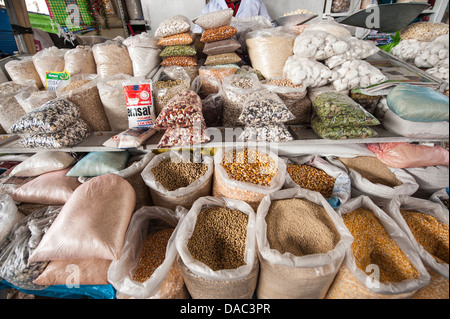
<point>293,277</point>
<point>342,186</point>
<point>145,221</point>
<point>49,60</point>
<point>222,279</point>
<point>439,196</point>
<point>9,215</point>
<point>366,285</point>
<point>144,53</point>
<point>430,179</point>
<point>425,207</point>
<point>378,193</point>
<point>184,196</point>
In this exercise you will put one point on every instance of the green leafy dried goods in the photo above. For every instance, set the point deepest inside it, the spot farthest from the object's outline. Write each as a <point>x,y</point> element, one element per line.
<point>178,50</point>
<point>337,109</point>
<point>341,132</point>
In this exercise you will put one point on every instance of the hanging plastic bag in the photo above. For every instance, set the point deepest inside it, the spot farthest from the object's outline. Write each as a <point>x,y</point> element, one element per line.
<point>354,283</point>
<point>286,276</point>
<point>184,196</point>
<point>166,281</point>
<point>201,280</point>
<point>411,204</point>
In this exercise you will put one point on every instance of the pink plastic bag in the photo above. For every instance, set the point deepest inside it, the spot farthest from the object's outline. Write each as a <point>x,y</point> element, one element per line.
<point>405,155</point>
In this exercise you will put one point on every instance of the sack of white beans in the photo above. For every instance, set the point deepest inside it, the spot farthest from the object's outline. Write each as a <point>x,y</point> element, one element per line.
<point>308,72</point>
<point>357,73</point>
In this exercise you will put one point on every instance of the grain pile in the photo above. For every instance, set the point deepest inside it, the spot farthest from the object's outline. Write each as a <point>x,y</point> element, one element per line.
<point>430,233</point>
<point>174,175</point>
<point>312,178</point>
<point>373,246</point>
<point>219,238</point>
<point>372,169</point>
<point>300,227</point>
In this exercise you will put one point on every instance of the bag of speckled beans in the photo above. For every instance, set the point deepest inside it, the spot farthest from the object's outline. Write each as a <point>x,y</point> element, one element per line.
<point>306,268</point>
<point>337,192</point>
<point>247,174</point>
<point>420,219</point>
<point>175,180</point>
<point>372,178</point>
<point>394,250</point>
<point>218,269</point>
<point>136,275</point>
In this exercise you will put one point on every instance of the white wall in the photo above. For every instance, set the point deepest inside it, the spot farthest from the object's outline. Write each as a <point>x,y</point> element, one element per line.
<point>277,8</point>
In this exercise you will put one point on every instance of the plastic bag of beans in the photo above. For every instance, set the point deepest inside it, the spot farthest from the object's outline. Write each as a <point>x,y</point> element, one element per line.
<point>177,39</point>
<point>173,25</point>
<point>224,58</point>
<point>228,270</point>
<point>304,274</point>
<point>422,219</point>
<point>221,47</point>
<point>183,61</point>
<point>217,34</point>
<point>401,272</point>
<point>135,274</point>
<point>315,173</point>
<point>175,179</point>
<point>215,19</point>
<point>247,174</point>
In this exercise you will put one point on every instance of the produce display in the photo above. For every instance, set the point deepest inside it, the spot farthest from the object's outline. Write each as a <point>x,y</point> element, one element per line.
<point>169,213</point>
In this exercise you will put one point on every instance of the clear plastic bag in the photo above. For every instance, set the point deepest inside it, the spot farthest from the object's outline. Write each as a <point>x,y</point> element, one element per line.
<point>184,196</point>
<point>295,277</point>
<point>239,283</point>
<point>224,58</point>
<point>9,215</point>
<point>276,133</point>
<point>80,60</point>
<point>183,61</point>
<point>217,74</point>
<point>131,138</point>
<point>173,25</point>
<point>324,130</point>
<point>163,283</point>
<point>178,39</point>
<point>221,47</point>
<point>215,19</point>
<point>178,50</point>
<point>212,109</point>
<point>184,137</point>
<point>23,69</point>
<point>32,100</point>
<point>356,74</point>
<point>424,31</point>
<point>49,60</point>
<point>111,58</point>
<point>319,45</point>
<point>217,34</point>
<point>307,72</point>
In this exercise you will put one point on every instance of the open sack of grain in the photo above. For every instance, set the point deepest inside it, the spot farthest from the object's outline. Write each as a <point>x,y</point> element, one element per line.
<point>217,249</point>
<point>301,243</point>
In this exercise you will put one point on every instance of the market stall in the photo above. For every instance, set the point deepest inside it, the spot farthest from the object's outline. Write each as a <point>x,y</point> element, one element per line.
<point>250,160</point>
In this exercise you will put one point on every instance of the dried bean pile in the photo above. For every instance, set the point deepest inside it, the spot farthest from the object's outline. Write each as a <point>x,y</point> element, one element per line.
<point>177,39</point>
<point>430,233</point>
<point>300,227</point>
<point>183,61</point>
<point>312,178</point>
<point>249,166</point>
<point>217,34</point>
<point>165,90</point>
<point>373,246</point>
<point>183,136</point>
<point>153,254</point>
<point>219,238</point>
<point>173,175</point>
<point>277,133</point>
<point>183,110</point>
<point>372,169</point>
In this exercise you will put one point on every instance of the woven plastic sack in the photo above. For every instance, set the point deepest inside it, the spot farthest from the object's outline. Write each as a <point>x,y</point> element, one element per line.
<point>80,60</point>
<point>173,25</point>
<point>407,101</point>
<point>144,53</point>
<point>239,283</point>
<point>111,58</point>
<point>407,155</point>
<point>178,39</point>
<point>49,60</point>
<point>221,47</point>
<point>215,19</point>
<point>98,163</point>
<point>217,34</point>
<point>185,196</point>
<point>422,206</point>
<point>9,215</point>
<point>162,284</point>
<point>286,276</point>
<point>23,69</point>
<point>357,284</point>
<point>440,197</point>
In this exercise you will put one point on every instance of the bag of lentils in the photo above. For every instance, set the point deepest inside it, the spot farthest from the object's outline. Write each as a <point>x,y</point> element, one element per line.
<point>213,268</point>
<point>301,243</point>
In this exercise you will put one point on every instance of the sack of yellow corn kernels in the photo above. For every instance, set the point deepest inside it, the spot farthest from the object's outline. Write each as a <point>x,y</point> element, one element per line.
<point>247,174</point>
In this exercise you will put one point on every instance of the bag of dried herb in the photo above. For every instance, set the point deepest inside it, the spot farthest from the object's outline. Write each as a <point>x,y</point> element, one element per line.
<point>147,267</point>
<point>301,243</point>
<point>176,179</point>
<point>315,173</point>
<point>426,225</point>
<point>336,109</point>
<point>217,248</point>
<point>382,262</point>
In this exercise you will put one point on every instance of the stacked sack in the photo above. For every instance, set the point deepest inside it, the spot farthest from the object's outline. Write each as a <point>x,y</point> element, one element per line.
<point>426,45</point>
<point>183,121</point>
<point>336,116</point>
<point>172,30</point>
<point>218,35</point>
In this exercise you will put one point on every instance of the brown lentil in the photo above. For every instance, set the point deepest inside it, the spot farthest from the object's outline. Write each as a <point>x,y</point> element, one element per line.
<point>219,238</point>
<point>153,254</point>
<point>430,233</point>
<point>372,169</point>
<point>176,175</point>
<point>249,166</point>
<point>372,245</point>
<point>300,227</point>
<point>312,178</point>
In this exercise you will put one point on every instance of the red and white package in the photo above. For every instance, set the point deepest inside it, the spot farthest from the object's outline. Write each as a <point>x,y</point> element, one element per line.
<point>140,106</point>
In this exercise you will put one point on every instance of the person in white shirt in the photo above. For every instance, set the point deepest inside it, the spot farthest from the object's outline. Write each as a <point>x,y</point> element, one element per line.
<point>241,8</point>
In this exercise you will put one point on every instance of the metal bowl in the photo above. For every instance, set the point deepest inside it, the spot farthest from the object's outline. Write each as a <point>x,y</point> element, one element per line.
<point>295,19</point>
